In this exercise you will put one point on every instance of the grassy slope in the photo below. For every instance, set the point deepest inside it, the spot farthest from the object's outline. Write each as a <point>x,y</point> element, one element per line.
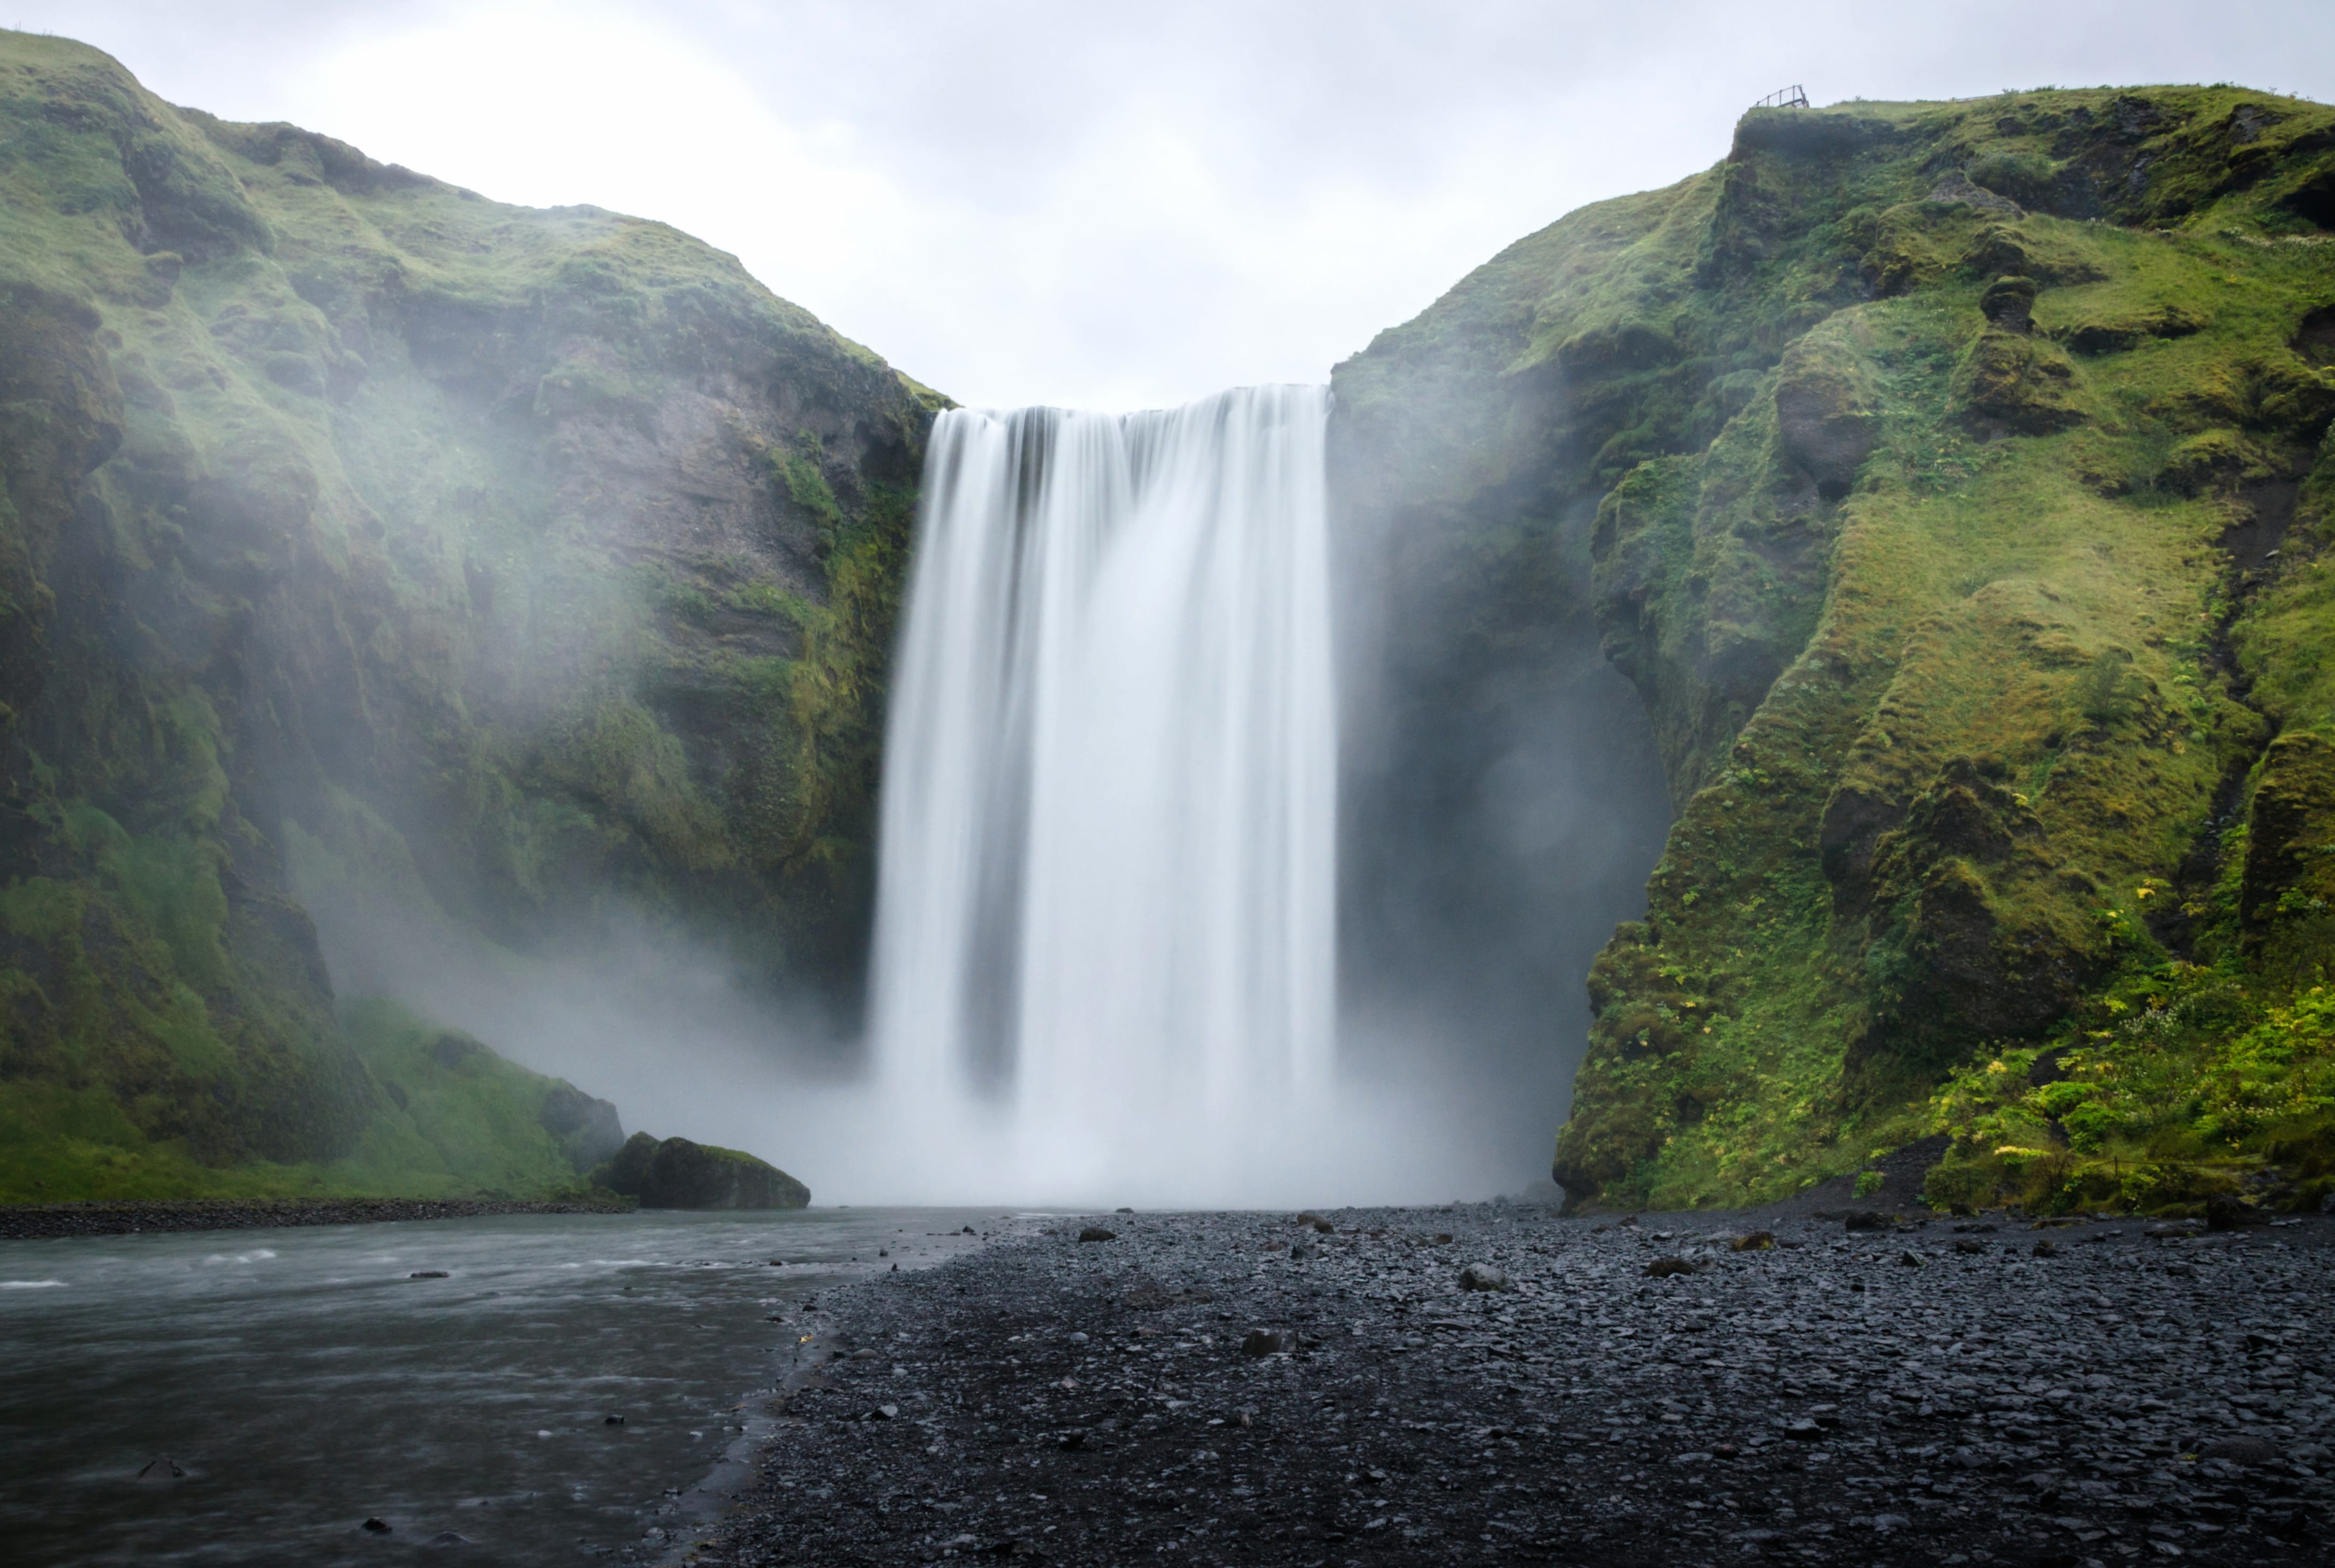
<point>469,1129</point>
<point>325,521</point>
<point>1962,700</point>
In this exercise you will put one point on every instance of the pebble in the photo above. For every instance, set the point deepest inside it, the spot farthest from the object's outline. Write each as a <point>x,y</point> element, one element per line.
<point>1795,1404</point>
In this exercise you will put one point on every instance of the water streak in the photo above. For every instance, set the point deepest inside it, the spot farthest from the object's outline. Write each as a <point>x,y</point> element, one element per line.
<point>1105,904</point>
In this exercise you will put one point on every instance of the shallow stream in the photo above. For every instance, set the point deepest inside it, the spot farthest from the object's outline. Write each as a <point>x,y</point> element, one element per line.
<point>304,1381</point>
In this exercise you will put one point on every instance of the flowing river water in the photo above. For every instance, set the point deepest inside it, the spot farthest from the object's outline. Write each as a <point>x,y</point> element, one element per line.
<point>304,1381</point>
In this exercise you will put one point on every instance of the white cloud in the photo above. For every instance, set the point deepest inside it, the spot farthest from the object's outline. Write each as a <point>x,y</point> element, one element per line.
<point>1031,200</point>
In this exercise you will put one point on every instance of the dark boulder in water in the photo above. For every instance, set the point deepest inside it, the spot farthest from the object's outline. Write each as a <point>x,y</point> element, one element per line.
<point>677,1174</point>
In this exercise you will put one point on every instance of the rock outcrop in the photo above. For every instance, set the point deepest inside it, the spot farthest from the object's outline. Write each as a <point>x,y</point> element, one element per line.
<point>530,569</point>
<point>1962,500</point>
<point>676,1173</point>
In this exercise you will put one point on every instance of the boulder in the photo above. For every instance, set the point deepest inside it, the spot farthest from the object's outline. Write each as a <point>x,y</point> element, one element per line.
<point>677,1174</point>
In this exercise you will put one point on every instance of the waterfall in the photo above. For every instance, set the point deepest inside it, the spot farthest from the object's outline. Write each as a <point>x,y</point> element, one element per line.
<point>1105,891</point>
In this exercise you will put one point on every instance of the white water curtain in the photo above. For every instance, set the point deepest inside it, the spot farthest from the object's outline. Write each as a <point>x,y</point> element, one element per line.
<point>1105,898</point>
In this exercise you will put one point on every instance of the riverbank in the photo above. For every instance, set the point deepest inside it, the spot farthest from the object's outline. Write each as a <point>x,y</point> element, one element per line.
<point>1257,1390</point>
<point>20,1222</point>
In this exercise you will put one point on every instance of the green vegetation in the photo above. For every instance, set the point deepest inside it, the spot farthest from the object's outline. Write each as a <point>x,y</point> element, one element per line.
<point>537,567</point>
<point>450,1118</point>
<point>1938,451</point>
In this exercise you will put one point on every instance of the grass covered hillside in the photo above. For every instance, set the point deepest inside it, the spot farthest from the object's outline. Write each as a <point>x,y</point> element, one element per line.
<point>1962,504</point>
<point>537,567</point>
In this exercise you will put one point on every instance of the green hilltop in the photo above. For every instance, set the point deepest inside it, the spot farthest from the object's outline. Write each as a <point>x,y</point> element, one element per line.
<point>358,531</point>
<point>1951,481</point>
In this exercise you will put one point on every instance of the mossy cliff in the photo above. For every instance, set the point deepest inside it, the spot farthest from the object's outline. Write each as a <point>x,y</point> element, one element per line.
<point>539,565</point>
<point>1961,500</point>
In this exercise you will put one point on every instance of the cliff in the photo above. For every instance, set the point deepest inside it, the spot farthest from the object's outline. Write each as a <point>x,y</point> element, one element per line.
<point>539,566</point>
<point>1957,498</point>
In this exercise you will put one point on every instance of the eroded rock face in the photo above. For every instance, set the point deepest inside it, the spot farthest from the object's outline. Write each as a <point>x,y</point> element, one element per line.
<point>533,571</point>
<point>1959,653</point>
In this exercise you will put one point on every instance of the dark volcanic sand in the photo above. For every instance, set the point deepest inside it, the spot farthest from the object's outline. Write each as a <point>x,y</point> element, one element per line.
<point>2133,1398</point>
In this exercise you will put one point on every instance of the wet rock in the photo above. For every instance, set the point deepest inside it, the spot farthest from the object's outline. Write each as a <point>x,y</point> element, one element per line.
<point>612,1422</point>
<point>2228,1214</point>
<point>1096,1234</point>
<point>1969,1244</point>
<point>446,1538</point>
<point>377,1527</point>
<point>1909,1259</point>
<point>884,1413</point>
<point>427,1275</point>
<point>161,1470</point>
<point>1482,1277</point>
<point>1751,1242</point>
<point>1820,1411</point>
<point>1866,1220</point>
<point>2248,1451</point>
<point>2045,1247</point>
<point>2009,303</point>
<point>1664,1268</point>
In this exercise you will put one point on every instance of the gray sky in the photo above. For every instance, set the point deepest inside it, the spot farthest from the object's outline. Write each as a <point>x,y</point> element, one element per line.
<point>1118,205</point>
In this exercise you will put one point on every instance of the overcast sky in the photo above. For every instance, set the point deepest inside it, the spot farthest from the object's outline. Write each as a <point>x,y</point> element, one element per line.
<point>1110,204</point>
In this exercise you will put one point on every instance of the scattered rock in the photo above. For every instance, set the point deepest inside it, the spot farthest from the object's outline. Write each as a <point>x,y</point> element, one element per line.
<point>1827,1413</point>
<point>1096,1234</point>
<point>1482,1277</point>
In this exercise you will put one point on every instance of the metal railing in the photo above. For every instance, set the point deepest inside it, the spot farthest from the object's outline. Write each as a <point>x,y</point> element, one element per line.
<point>1794,97</point>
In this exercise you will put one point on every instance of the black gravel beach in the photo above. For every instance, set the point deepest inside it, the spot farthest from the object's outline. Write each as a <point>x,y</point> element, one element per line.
<point>1494,1383</point>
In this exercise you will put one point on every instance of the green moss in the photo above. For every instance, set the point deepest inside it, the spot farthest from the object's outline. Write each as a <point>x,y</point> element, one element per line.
<point>1910,503</point>
<point>311,534</point>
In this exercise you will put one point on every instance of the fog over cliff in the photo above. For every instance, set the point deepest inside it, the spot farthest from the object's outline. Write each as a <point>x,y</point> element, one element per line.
<point>1116,207</point>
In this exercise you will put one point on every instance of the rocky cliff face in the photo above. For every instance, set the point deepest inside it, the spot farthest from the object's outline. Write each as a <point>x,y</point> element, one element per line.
<point>1960,497</point>
<point>536,565</point>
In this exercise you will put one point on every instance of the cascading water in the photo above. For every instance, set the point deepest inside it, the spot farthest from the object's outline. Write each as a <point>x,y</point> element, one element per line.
<point>1105,904</point>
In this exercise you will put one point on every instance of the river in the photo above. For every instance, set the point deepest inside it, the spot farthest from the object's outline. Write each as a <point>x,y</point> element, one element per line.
<point>306,1380</point>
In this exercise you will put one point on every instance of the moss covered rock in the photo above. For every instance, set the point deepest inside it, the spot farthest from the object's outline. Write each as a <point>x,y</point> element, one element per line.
<point>1962,652</point>
<point>676,1173</point>
<point>533,568</point>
